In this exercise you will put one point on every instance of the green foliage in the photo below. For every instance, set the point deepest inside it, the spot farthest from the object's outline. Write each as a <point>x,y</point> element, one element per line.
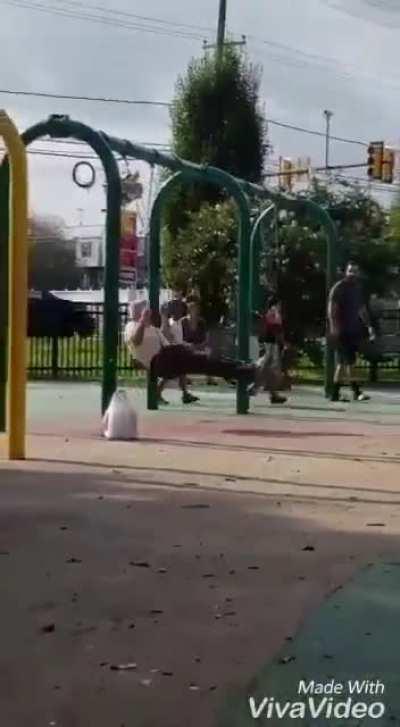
<point>393,231</point>
<point>301,282</point>
<point>217,120</point>
<point>358,217</point>
<point>362,229</point>
<point>300,262</point>
<point>394,222</point>
<point>203,256</point>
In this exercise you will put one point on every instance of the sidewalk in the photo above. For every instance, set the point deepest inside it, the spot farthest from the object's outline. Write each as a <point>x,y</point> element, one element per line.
<point>196,551</point>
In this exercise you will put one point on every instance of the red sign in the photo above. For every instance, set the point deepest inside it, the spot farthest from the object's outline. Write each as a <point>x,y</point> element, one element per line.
<point>128,249</point>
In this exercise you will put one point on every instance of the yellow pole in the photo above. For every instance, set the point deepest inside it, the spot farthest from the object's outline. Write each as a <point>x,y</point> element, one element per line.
<point>18,272</point>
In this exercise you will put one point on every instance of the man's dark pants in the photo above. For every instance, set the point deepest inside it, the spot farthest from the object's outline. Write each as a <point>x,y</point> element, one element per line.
<point>177,360</point>
<point>347,348</point>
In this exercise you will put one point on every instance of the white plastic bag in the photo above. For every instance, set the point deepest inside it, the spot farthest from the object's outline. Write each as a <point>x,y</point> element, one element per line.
<point>120,419</point>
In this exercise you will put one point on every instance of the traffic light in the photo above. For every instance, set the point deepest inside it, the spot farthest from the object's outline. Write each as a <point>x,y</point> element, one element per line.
<point>375,159</point>
<point>388,166</point>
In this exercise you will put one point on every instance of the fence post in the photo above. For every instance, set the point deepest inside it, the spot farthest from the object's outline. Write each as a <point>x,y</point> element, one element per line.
<point>54,357</point>
<point>373,372</point>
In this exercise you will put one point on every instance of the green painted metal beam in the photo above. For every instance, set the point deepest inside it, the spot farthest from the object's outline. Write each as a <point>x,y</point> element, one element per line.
<point>104,145</point>
<point>315,212</point>
<point>64,127</point>
<point>217,177</point>
<point>255,255</point>
<point>319,215</point>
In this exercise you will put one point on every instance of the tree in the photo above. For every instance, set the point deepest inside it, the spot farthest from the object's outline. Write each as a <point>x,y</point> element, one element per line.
<point>394,222</point>
<point>216,115</point>
<point>300,260</point>
<point>363,234</point>
<point>301,281</point>
<point>204,258</point>
<point>52,262</point>
<point>216,120</point>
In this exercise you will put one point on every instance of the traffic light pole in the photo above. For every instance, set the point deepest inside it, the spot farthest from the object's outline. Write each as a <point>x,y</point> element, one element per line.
<point>328,116</point>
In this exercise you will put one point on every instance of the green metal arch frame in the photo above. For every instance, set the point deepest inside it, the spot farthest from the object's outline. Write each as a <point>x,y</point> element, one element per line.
<point>175,164</point>
<point>104,145</point>
<point>219,178</point>
<point>255,252</point>
<point>318,214</point>
<point>61,127</point>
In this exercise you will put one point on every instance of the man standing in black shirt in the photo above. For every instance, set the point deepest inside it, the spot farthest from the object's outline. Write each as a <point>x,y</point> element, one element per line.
<point>347,314</point>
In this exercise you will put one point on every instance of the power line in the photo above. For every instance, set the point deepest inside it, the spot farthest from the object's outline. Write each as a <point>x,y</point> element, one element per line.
<point>102,20</point>
<point>74,9</point>
<point>304,59</point>
<point>112,100</point>
<point>314,132</point>
<point>110,17</point>
<point>66,97</point>
<point>126,14</point>
<point>382,22</point>
<point>310,58</point>
<point>280,47</point>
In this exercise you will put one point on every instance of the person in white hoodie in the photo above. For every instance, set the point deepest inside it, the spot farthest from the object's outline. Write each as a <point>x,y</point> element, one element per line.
<point>136,311</point>
<point>166,360</point>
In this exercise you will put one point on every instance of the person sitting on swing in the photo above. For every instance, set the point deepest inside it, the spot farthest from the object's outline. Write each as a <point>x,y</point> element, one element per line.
<point>168,361</point>
<point>135,312</point>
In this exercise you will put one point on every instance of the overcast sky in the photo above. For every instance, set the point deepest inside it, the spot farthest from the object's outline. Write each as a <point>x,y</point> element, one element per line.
<point>315,54</point>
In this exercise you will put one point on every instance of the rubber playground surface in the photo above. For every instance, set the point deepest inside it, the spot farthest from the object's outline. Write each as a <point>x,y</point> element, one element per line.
<point>162,583</point>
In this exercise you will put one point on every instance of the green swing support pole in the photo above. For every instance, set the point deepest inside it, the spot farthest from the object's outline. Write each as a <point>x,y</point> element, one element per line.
<point>63,127</point>
<point>255,255</point>
<point>207,175</point>
<point>154,270</point>
<point>319,215</point>
<point>240,190</point>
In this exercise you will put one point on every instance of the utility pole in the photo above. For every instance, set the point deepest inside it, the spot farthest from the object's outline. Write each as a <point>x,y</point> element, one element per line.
<point>221,28</point>
<point>328,115</point>
<point>221,33</point>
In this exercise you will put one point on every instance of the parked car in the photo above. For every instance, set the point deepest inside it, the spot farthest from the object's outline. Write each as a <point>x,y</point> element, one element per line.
<point>49,316</point>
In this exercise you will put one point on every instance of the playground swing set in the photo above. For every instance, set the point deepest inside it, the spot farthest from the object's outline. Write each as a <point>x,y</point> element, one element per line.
<point>13,256</point>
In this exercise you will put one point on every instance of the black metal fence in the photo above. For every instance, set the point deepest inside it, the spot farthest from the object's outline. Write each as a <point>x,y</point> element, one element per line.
<point>81,358</point>
<point>76,357</point>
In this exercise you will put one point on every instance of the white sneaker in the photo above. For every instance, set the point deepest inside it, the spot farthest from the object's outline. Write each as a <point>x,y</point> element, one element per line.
<point>362,397</point>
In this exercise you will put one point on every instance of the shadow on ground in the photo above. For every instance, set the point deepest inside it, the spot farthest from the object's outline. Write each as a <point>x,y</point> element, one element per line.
<point>198,589</point>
